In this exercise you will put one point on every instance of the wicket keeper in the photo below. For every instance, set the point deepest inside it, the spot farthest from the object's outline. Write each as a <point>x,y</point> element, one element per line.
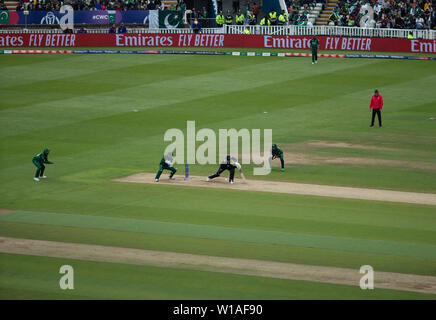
<point>39,160</point>
<point>230,164</point>
<point>276,152</point>
<point>166,163</point>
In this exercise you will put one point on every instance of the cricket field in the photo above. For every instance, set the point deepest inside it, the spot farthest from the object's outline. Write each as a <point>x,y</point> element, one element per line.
<point>104,118</point>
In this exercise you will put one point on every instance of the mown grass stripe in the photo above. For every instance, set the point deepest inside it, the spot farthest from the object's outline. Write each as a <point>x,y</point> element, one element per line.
<point>224,233</point>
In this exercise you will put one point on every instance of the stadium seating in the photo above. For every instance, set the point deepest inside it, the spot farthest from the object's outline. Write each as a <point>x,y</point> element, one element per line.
<point>313,13</point>
<point>325,14</point>
<point>401,14</point>
<point>11,4</point>
<point>170,4</point>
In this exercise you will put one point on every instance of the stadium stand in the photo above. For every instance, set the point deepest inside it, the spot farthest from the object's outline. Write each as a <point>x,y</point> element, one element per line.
<point>402,14</point>
<point>100,4</point>
<point>391,14</point>
<point>305,14</point>
<point>325,14</point>
<point>8,4</point>
<point>170,4</point>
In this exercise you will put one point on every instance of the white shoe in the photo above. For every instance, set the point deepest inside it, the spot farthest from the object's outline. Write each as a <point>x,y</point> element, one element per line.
<point>313,62</point>
<point>157,180</point>
<point>316,61</point>
<point>171,178</point>
<point>231,182</point>
<point>208,179</point>
<point>42,177</point>
<point>36,179</point>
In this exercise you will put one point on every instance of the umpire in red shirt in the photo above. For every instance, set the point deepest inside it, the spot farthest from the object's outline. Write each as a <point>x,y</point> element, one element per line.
<point>376,105</point>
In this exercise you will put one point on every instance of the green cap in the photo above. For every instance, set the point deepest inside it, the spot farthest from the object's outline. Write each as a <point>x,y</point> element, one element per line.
<point>46,150</point>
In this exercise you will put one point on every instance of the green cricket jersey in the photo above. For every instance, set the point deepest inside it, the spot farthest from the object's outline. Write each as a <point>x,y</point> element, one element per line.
<point>41,158</point>
<point>314,44</point>
<point>277,152</point>
<point>162,162</point>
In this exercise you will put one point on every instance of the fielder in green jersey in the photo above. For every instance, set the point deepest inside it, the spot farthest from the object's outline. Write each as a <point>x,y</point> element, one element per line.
<point>314,44</point>
<point>166,163</point>
<point>39,161</point>
<point>276,152</point>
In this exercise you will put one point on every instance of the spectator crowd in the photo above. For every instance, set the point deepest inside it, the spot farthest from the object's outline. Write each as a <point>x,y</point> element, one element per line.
<point>397,14</point>
<point>99,5</point>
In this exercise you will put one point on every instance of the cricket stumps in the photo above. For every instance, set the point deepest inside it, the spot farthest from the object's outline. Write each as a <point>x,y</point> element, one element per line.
<point>186,171</point>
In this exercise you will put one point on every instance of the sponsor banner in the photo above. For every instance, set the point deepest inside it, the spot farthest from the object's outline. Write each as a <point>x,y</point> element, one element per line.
<point>216,41</point>
<point>80,17</point>
<point>352,44</point>
<point>383,56</point>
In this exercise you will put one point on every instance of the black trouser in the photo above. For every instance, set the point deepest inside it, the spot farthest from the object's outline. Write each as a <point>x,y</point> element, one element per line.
<point>282,160</point>
<point>314,55</point>
<point>223,167</point>
<point>378,113</point>
<point>40,171</point>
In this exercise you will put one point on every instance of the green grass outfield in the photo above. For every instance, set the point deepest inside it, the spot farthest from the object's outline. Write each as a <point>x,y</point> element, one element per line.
<point>82,108</point>
<point>26,277</point>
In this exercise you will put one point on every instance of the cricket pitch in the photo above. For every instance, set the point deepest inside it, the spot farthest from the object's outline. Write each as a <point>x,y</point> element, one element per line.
<point>289,188</point>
